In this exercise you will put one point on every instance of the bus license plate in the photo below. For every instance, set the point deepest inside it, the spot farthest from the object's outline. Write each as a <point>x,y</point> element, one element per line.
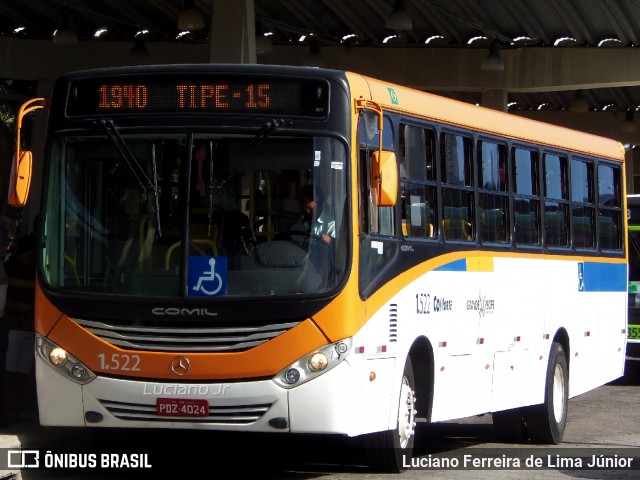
<point>182,407</point>
<point>634,332</point>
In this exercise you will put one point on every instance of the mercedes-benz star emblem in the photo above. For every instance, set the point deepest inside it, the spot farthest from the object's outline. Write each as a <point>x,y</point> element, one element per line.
<point>180,365</point>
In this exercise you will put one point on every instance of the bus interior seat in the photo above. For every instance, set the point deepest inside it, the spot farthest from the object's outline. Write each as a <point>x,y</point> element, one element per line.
<point>421,231</point>
<point>146,234</point>
<point>456,229</point>
<point>201,246</point>
<point>74,268</point>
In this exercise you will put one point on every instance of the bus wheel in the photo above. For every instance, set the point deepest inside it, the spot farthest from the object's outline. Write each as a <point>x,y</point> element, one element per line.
<point>391,450</point>
<point>546,422</point>
<point>509,426</point>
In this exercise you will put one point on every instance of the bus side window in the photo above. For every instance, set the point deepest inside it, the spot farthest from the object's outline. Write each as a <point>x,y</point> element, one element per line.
<point>417,178</point>
<point>526,196</point>
<point>609,208</point>
<point>374,219</point>
<point>583,211</point>
<point>457,193</point>
<point>556,205</point>
<point>494,199</point>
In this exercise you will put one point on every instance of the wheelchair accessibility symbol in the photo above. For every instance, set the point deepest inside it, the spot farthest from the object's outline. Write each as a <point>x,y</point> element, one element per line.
<point>207,276</point>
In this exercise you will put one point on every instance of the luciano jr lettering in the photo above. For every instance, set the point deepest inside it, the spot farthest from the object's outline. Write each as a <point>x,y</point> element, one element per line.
<point>180,390</point>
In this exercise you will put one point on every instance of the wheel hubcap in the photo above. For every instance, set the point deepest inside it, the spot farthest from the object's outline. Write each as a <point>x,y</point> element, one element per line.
<point>407,413</point>
<point>558,394</point>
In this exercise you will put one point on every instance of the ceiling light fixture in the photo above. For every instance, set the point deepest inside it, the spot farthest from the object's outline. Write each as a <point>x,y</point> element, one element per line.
<point>433,38</point>
<point>629,125</point>
<point>263,42</point>
<point>479,38</point>
<point>493,61</point>
<point>314,59</point>
<point>190,18</point>
<point>564,42</point>
<point>139,51</point>
<point>399,19</point>
<point>579,104</point>
<point>65,34</point>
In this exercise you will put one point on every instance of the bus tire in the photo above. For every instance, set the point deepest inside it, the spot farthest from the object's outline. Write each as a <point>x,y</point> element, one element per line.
<point>509,426</point>
<point>387,450</point>
<point>546,422</point>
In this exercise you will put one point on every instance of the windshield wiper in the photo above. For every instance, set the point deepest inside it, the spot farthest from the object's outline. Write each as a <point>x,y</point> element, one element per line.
<point>146,185</point>
<point>211,191</point>
<point>265,131</point>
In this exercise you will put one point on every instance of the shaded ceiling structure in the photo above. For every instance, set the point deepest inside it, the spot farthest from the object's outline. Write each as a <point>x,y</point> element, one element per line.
<point>502,26</point>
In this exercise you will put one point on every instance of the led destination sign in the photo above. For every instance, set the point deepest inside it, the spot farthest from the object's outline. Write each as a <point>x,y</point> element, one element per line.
<point>202,94</point>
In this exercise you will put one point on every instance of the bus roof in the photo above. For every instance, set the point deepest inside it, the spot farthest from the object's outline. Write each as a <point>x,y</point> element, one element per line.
<point>411,102</point>
<point>460,114</point>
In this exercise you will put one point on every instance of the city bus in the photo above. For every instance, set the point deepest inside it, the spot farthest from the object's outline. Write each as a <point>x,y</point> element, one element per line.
<point>471,261</point>
<point>633,333</point>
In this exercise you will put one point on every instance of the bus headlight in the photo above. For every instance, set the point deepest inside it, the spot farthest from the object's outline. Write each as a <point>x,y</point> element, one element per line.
<point>313,364</point>
<point>318,361</point>
<point>63,361</point>
<point>58,356</point>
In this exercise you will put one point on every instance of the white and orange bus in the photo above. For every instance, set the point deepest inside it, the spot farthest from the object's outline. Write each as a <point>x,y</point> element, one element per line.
<point>471,261</point>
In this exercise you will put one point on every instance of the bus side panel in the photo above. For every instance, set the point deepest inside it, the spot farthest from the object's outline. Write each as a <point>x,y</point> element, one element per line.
<point>491,321</point>
<point>612,330</point>
<point>515,329</point>
<point>579,294</point>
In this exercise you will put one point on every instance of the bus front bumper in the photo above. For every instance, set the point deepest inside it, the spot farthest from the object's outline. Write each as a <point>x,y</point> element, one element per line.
<point>252,406</point>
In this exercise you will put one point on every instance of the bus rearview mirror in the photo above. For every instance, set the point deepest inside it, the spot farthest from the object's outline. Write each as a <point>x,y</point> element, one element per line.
<point>385,177</point>
<point>20,179</point>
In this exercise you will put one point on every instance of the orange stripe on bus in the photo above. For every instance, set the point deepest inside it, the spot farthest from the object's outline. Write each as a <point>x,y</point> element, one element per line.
<point>265,360</point>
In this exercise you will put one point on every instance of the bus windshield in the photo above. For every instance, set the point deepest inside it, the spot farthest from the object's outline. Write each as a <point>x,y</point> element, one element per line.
<point>138,214</point>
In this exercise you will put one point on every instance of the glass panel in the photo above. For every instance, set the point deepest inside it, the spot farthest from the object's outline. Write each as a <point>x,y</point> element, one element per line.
<point>526,172</point>
<point>584,227</point>
<point>555,224</point>
<point>608,186</point>
<point>374,219</point>
<point>493,218</point>
<point>417,146</point>
<point>493,162</point>
<point>368,131</point>
<point>555,172</point>
<point>456,160</point>
<point>634,256</point>
<point>103,222</point>
<point>582,182</point>
<point>116,224</point>
<point>457,221</point>
<point>418,215</point>
<point>609,230</point>
<point>527,218</point>
<point>375,255</point>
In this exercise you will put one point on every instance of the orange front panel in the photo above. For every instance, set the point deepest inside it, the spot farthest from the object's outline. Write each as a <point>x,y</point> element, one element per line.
<point>263,361</point>
<point>46,314</point>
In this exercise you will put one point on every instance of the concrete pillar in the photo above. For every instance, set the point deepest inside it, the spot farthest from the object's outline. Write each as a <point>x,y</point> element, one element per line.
<point>232,34</point>
<point>496,99</point>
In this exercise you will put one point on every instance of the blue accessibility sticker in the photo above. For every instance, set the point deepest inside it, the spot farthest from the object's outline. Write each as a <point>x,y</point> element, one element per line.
<point>207,276</point>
